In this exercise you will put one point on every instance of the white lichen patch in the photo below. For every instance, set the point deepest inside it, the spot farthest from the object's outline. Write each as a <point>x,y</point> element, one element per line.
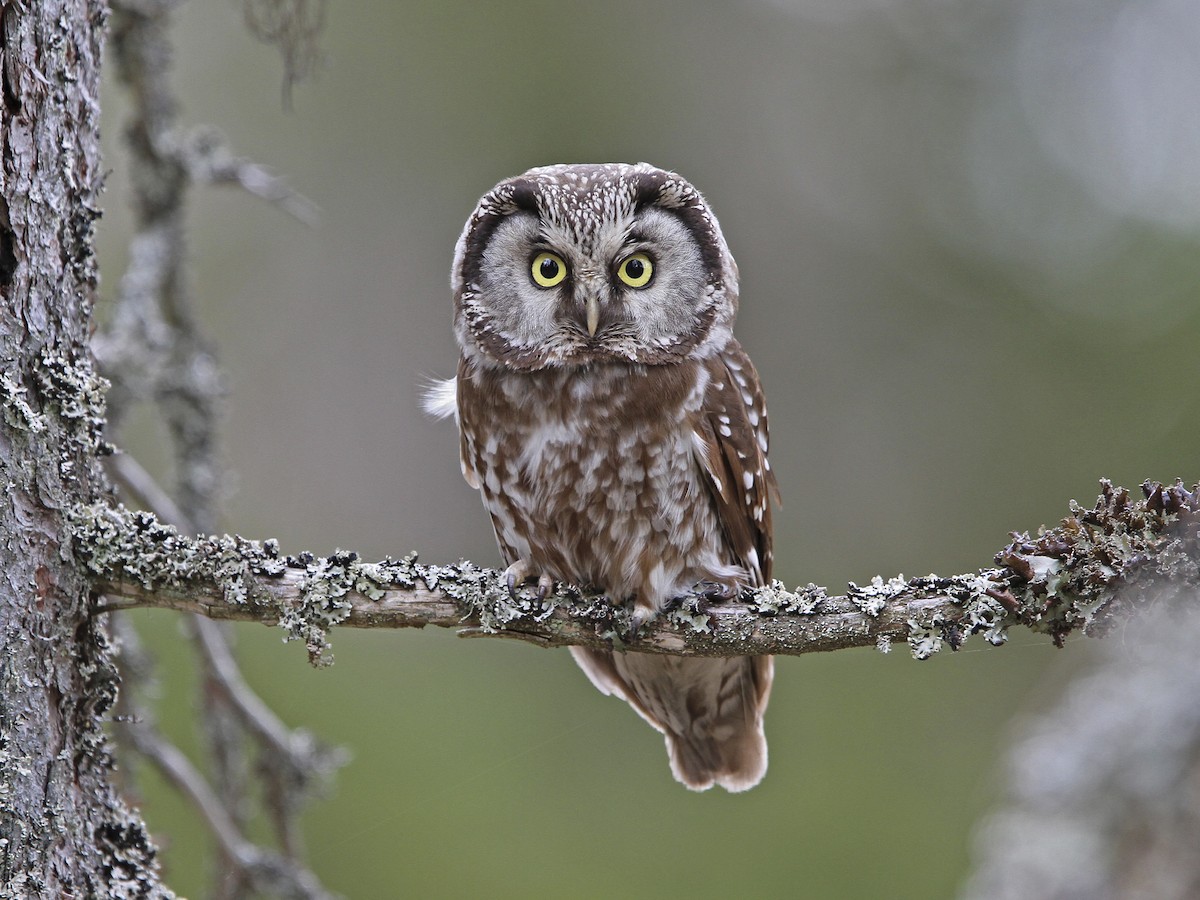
<point>17,411</point>
<point>125,544</point>
<point>322,605</point>
<point>775,599</point>
<point>690,614</point>
<point>873,598</point>
<point>68,382</point>
<point>981,611</point>
<point>484,593</point>
<point>1050,572</point>
<point>923,641</point>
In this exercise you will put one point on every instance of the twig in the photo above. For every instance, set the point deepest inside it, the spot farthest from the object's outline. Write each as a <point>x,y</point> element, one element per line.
<point>292,26</point>
<point>154,349</point>
<point>267,871</point>
<point>294,747</point>
<point>297,749</point>
<point>211,161</point>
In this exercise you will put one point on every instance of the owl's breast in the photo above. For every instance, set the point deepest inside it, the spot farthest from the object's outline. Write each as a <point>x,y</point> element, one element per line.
<point>592,476</point>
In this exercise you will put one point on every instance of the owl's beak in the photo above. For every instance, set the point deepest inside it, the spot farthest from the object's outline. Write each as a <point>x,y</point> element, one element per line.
<point>592,312</point>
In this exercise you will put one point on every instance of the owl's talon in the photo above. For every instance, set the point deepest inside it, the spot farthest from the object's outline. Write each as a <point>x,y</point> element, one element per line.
<point>516,575</point>
<point>641,616</point>
<point>522,571</point>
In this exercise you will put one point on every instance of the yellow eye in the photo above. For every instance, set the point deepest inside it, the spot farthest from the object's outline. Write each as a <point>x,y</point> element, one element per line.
<point>548,270</point>
<point>636,271</point>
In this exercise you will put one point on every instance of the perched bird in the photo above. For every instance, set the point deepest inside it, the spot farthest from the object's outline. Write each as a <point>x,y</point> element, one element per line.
<point>617,430</point>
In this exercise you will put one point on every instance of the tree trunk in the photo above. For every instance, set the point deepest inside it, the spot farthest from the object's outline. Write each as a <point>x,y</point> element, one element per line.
<point>64,831</point>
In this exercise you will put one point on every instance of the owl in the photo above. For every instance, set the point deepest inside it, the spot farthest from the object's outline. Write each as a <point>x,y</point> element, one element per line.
<point>617,430</point>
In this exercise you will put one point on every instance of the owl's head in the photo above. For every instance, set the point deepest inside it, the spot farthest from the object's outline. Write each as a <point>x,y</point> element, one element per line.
<point>578,264</point>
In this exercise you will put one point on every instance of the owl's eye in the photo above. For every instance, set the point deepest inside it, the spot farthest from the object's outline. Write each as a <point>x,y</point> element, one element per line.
<point>548,270</point>
<point>636,271</point>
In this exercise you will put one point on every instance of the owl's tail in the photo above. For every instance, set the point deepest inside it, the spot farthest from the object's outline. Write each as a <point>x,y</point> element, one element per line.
<point>709,710</point>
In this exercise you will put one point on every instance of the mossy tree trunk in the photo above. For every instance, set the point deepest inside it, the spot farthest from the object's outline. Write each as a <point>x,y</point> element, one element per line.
<point>64,831</point>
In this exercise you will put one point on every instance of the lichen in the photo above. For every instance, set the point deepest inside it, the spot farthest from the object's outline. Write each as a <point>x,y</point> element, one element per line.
<point>68,383</point>
<point>1101,562</point>
<point>123,544</point>
<point>322,605</point>
<point>775,599</point>
<point>131,866</point>
<point>873,598</point>
<point>1096,565</point>
<point>120,543</point>
<point>973,594</point>
<point>924,640</point>
<point>483,592</point>
<point>17,411</point>
<point>982,613</point>
<point>689,613</point>
<point>324,589</point>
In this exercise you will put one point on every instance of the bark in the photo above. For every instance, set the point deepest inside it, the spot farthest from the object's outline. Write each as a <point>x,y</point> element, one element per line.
<point>64,831</point>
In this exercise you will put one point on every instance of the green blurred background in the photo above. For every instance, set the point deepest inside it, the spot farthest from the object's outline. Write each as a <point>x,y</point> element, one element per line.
<point>968,241</point>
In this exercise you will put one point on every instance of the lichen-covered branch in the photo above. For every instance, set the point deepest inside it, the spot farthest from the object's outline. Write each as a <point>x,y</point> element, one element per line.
<point>1088,571</point>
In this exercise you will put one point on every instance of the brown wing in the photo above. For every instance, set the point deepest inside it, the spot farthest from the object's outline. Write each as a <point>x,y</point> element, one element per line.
<point>732,442</point>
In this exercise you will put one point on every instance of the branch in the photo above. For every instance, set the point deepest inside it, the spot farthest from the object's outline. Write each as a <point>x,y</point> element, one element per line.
<point>210,160</point>
<point>267,871</point>
<point>293,26</point>
<point>1094,567</point>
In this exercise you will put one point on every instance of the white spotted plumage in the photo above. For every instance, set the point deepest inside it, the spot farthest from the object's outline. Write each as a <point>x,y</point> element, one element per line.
<point>622,448</point>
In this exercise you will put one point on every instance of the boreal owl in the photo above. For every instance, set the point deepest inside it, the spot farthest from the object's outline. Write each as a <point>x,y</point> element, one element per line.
<point>617,430</point>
